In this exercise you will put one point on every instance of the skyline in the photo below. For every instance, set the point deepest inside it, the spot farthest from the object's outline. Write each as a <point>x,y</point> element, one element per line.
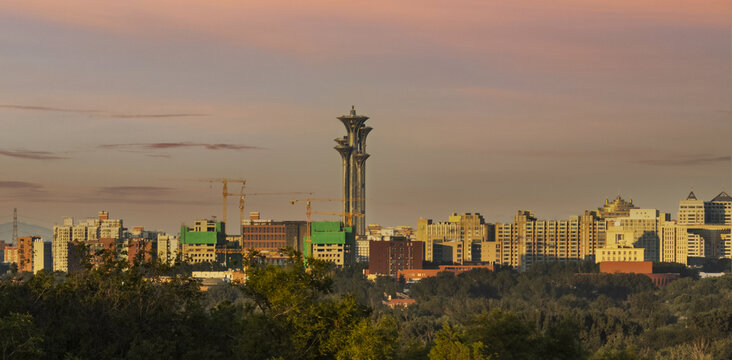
<point>551,108</point>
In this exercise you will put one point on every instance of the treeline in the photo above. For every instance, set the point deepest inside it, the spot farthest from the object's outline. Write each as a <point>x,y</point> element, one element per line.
<point>552,311</point>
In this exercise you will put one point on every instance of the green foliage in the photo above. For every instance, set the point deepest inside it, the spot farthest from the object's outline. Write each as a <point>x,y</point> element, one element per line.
<point>551,311</point>
<point>20,338</point>
<point>450,345</point>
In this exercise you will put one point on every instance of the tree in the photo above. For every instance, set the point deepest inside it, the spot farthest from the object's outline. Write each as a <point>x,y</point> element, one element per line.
<point>449,345</point>
<point>20,338</point>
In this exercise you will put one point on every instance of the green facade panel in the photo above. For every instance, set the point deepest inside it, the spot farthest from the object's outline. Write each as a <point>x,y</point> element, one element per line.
<point>329,238</point>
<point>199,238</point>
<point>321,226</point>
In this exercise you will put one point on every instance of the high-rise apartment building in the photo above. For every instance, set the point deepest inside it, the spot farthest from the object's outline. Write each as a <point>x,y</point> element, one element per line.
<point>89,231</point>
<point>25,253</point>
<point>439,238</point>
<point>702,231</point>
<point>168,248</point>
<point>42,257</point>
<point>528,240</point>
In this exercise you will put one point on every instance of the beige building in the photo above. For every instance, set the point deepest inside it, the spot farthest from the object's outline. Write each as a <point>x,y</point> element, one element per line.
<point>42,257</point>
<point>620,247</point>
<point>168,248</point>
<point>198,243</point>
<point>616,208</point>
<point>466,228</point>
<point>702,231</point>
<point>91,229</point>
<point>647,226</point>
<point>528,240</point>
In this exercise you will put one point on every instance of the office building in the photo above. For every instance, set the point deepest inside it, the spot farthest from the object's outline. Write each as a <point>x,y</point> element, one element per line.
<point>646,226</point>
<point>266,235</point>
<point>620,246</point>
<point>440,238</point>
<point>702,231</point>
<point>199,242</point>
<point>332,242</point>
<point>616,208</point>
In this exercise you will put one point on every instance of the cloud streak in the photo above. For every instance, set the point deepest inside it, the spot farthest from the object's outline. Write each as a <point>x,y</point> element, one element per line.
<point>100,113</point>
<point>22,185</point>
<point>145,191</point>
<point>686,160</point>
<point>31,155</point>
<point>178,145</point>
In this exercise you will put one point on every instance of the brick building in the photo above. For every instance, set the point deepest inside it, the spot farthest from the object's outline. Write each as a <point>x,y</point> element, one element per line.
<point>388,257</point>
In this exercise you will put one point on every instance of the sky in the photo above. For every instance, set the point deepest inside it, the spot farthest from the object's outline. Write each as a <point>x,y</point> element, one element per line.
<point>485,106</point>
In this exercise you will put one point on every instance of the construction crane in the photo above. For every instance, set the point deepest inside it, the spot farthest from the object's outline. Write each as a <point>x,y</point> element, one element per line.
<point>242,197</point>
<point>308,214</point>
<point>225,192</point>
<point>347,215</point>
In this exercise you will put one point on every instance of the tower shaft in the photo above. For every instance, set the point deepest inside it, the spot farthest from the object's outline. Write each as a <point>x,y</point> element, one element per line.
<point>352,148</point>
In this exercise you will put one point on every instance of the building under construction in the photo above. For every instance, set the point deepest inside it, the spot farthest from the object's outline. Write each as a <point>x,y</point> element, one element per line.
<point>352,148</point>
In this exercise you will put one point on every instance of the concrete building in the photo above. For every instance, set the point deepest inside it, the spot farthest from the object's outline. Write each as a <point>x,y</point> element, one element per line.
<point>528,240</point>
<point>3,244</point>
<point>647,226</point>
<point>702,231</point>
<point>333,242</point>
<point>89,231</point>
<point>616,208</point>
<point>42,256</point>
<point>199,243</point>
<point>438,237</point>
<point>619,247</point>
<point>352,149</point>
<point>389,257</point>
<point>168,248</point>
<point>11,254</point>
<point>376,232</point>
<point>25,253</point>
